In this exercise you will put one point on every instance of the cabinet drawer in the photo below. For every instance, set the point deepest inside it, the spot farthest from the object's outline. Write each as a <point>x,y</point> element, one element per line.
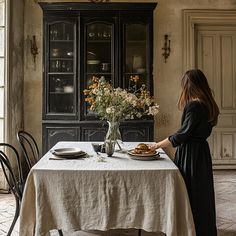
<point>52,135</point>
<point>93,134</point>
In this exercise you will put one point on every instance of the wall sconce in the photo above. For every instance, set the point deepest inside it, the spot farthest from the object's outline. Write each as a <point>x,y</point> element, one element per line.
<point>33,47</point>
<point>166,47</point>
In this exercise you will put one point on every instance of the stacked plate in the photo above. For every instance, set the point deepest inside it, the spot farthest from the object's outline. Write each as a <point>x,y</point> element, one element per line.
<point>68,153</point>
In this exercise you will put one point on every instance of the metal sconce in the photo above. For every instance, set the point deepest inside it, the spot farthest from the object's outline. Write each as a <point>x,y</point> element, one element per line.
<point>33,47</point>
<point>166,47</point>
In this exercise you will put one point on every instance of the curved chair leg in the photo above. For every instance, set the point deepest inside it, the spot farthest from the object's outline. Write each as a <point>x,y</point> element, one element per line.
<point>17,211</point>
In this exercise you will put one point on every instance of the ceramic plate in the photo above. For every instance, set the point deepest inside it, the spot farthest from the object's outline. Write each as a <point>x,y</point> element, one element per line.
<point>68,152</point>
<point>150,158</point>
<point>130,152</point>
<point>143,157</point>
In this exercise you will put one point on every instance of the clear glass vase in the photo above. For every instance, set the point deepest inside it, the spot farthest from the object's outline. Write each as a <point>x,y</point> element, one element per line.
<point>113,134</point>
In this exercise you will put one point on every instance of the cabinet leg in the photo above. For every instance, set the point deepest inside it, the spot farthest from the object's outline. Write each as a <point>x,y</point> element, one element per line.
<point>139,232</point>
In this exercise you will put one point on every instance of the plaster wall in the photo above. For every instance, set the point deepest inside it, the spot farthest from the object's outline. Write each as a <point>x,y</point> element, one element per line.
<point>167,20</point>
<point>14,111</point>
<point>16,70</point>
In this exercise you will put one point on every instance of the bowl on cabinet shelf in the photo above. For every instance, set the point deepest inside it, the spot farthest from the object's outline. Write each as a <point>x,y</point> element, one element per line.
<point>55,52</point>
<point>140,70</point>
<point>68,89</point>
<point>105,67</point>
<point>59,89</point>
<point>93,65</point>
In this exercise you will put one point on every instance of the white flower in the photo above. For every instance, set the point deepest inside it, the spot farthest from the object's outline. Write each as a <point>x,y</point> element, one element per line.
<point>153,110</point>
<point>110,110</point>
<point>139,115</point>
<point>120,104</point>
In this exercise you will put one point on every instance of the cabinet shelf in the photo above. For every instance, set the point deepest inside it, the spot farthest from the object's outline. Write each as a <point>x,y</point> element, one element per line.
<point>135,73</point>
<point>99,73</point>
<point>61,73</point>
<point>137,41</point>
<point>61,93</point>
<point>61,41</point>
<point>99,41</point>
<point>62,58</point>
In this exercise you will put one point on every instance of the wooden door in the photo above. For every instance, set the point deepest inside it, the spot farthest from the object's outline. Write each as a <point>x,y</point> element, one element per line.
<point>216,57</point>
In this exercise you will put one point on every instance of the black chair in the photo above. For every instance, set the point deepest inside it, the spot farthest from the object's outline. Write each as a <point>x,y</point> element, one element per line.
<point>14,180</point>
<point>29,147</point>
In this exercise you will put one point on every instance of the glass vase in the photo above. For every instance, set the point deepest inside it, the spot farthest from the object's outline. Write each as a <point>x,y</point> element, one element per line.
<point>113,134</point>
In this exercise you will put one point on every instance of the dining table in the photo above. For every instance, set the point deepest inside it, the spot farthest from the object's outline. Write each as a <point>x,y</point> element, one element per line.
<point>97,192</point>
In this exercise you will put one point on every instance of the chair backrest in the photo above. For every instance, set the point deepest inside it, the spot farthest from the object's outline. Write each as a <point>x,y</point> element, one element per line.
<point>29,147</point>
<point>14,180</point>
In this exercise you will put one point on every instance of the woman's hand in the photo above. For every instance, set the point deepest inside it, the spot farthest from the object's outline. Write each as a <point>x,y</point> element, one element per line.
<point>154,146</point>
<point>162,144</point>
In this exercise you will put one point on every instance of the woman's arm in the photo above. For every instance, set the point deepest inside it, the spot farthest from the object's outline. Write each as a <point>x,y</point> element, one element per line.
<point>162,144</point>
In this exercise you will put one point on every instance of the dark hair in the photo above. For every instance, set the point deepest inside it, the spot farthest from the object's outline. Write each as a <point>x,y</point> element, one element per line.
<point>195,86</point>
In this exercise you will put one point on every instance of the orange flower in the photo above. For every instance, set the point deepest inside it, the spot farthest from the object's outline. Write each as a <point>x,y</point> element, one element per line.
<point>86,91</point>
<point>134,78</point>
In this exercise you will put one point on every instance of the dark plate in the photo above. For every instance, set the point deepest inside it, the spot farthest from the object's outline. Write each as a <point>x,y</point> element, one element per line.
<point>68,152</point>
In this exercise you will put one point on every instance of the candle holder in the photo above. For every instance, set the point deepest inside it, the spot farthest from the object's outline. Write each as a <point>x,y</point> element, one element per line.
<point>166,47</point>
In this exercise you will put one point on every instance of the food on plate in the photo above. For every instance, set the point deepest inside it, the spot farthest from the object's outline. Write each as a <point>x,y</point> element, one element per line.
<point>142,148</point>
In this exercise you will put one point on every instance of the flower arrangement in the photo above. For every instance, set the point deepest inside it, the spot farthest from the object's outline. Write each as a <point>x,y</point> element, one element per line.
<point>117,104</point>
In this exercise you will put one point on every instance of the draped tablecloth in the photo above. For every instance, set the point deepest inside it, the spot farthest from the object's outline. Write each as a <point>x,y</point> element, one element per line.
<point>85,194</point>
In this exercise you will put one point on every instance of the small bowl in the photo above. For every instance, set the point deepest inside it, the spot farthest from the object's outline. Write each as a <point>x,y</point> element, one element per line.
<point>58,89</point>
<point>97,147</point>
<point>140,70</point>
<point>70,54</point>
<point>93,62</point>
<point>68,89</point>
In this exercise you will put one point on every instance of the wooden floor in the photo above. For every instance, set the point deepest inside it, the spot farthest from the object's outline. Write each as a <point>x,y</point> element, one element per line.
<point>225,191</point>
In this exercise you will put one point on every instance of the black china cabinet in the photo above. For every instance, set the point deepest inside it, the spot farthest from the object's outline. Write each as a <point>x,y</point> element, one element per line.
<point>82,40</point>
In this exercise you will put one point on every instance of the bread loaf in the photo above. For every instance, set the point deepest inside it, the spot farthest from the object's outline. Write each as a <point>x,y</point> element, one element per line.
<point>142,148</point>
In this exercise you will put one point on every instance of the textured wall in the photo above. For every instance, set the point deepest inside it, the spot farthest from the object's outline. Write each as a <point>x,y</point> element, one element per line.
<point>16,75</point>
<point>16,78</point>
<point>167,20</point>
<point>33,71</point>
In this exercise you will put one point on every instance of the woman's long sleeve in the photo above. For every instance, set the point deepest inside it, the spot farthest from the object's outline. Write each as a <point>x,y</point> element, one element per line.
<point>190,120</point>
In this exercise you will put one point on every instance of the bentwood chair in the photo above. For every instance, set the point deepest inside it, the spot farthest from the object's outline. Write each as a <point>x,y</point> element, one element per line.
<point>30,150</point>
<point>29,147</point>
<point>14,180</point>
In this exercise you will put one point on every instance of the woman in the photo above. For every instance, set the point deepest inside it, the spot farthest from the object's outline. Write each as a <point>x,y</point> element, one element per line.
<point>193,156</point>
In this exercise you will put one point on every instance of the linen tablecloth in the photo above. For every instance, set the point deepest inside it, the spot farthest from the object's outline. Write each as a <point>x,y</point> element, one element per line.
<point>85,194</point>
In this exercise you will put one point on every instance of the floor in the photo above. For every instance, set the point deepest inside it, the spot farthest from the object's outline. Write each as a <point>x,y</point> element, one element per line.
<point>225,190</point>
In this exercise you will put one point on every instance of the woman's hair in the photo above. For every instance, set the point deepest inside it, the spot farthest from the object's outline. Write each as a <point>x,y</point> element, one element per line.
<point>195,87</point>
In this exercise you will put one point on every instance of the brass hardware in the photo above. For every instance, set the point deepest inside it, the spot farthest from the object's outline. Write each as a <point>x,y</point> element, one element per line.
<point>33,47</point>
<point>166,47</point>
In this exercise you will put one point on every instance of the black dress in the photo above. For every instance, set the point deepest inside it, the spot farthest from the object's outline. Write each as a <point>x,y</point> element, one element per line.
<point>193,159</point>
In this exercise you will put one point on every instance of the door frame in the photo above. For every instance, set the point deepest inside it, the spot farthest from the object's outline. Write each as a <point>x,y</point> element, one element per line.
<point>192,19</point>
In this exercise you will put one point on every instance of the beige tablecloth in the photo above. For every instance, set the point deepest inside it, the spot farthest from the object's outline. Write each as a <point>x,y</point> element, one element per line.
<point>85,194</point>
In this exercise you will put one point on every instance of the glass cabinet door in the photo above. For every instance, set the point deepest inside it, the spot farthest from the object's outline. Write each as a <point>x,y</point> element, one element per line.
<point>61,74</point>
<point>99,54</point>
<point>136,68</point>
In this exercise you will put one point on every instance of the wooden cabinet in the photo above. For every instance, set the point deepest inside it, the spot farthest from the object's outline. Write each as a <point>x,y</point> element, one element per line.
<point>82,40</point>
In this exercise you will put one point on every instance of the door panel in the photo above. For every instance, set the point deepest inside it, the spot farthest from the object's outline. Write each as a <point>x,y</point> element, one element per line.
<point>216,57</point>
